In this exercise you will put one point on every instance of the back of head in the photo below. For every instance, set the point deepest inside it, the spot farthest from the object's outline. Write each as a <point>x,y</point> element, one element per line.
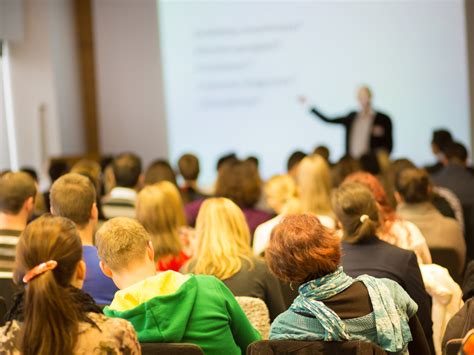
<point>344,167</point>
<point>369,163</point>
<point>122,242</point>
<point>188,166</point>
<point>30,171</point>
<point>73,196</point>
<point>223,238</point>
<point>57,168</point>
<point>456,153</point>
<point>15,189</point>
<point>228,158</point>
<point>240,182</point>
<point>160,170</point>
<point>279,190</point>
<point>51,316</point>
<point>127,168</point>
<point>160,210</point>
<point>89,168</point>
<point>356,209</point>
<point>294,159</point>
<point>314,185</point>
<point>323,151</point>
<point>414,185</point>
<point>441,139</point>
<point>301,249</point>
<point>374,185</point>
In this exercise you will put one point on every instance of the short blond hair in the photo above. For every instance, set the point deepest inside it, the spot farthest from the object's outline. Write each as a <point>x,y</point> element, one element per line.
<point>121,241</point>
<point>278,190</point>
<point>223,239</point>
<point>160,210</point>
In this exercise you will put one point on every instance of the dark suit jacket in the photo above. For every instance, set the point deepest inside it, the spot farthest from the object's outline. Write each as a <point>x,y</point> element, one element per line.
<point>380,259</point>
<point>383,141</point>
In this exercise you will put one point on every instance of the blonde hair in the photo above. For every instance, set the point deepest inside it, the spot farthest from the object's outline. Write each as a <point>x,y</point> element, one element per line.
<point>223,239</point>
<point>314,186</point>
<point>160,210</point>
<point>279,189</point>
<point>120,241</point>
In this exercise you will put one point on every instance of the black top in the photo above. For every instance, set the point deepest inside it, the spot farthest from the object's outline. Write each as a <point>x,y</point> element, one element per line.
<point>378,140</point>
<point>380,259</point>
<point>260,283</point>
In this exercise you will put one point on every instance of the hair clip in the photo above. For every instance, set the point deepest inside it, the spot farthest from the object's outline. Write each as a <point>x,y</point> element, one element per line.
<point>363,218</point>
<point>39,269</point>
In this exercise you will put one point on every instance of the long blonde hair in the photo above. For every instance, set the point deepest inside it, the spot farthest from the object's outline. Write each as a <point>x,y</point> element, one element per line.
<point>160,210</point>
<point>223,239</point>
<point>314,186</point>
<point>279,189</point>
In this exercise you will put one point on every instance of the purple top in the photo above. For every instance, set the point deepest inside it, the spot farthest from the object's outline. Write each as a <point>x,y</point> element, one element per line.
<point>253,216</point>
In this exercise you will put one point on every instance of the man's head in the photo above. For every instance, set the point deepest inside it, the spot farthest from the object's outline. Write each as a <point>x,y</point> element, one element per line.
<point>17,194</point>
<point>413,186</point>
<point>188,166</point>
<point>125,251</point>
<point>127,169</point>
<point>73,196</point>
<point>364,96</point>
<point>456,153</point>
<point>440,140</point>
<point>293,161</point>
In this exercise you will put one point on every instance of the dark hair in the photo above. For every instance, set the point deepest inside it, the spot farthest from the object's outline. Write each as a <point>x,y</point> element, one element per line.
<point>352,202</point>
<point>15,189</point>
<point>414,185</point>
<point>228,158</point>
<point>323,151</point>
<point>188,166</point>
<point>294,159</point>
<point>30,171</point>
<point>456,150</point>
<point>57,168</point>
<point>253,160</point>
<point>344,167</point>
<point>441,138</point>
<point>160,170</point>
<point>370,163</point>
<point>51,315</point>
<point>240,182</point>
<point>127,168</point>
<point>72,196</point>
<point>301,249</point>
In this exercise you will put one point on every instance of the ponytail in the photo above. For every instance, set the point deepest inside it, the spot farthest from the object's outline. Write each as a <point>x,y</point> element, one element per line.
<point>365,230</point>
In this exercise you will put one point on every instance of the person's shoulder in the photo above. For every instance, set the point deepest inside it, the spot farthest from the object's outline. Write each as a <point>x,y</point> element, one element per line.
<point>9,334</point>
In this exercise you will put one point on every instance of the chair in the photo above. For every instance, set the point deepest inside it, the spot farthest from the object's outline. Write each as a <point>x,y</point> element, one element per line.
<point>452,347</point>
<point>3,311</point>
<point>7,288</point>
<point>257,312</point>
<point>296,347</point>
<point>449,259</point>
<point>170,349</point>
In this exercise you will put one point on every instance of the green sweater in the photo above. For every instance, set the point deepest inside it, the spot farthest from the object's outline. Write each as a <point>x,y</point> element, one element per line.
<point>173,308</point>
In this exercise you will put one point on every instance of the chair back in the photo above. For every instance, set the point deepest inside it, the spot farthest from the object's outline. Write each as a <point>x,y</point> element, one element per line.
<point>3,311</point>
<point>453,346</point>
<point>297,347</point>
<point>448,258</point>
<point>257,313</point>
<point>170,349</point>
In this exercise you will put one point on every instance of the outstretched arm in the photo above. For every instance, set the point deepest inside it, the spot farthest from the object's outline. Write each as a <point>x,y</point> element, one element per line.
<point>313,110</point>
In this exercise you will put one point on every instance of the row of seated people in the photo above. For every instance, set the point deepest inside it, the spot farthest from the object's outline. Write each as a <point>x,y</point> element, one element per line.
<point>69,193</point>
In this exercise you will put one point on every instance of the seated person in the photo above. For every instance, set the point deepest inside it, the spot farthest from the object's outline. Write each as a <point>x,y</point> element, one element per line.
<point>160,210</point>
<point>188,165</point>
<point>52,315</point>
<point>331,305</point>
<point>365,253</point>
<point>168,307</point>
<point>73,196</point>
<point>223,250</point>
<point>461,323</point>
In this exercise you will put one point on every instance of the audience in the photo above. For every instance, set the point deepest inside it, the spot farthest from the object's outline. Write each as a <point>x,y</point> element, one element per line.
<point>441,139</point>
<point>56,169</point>
<point>314,189</point>
<point>73,196</point>
<point>365,253</point>
<point>331,305</point>
<point>293,162</point>
<point>120,202</point>
<point>393,229</point>
<point>160,210</point>
<point>168,306</point>
<point>414,190</point>
<point>160,170</point>
<point>223,250</point>
<point>323,151</point>
<point>344,167</point>
<point>52,315</point>
<point>17,203</point>
<point>188,165</point>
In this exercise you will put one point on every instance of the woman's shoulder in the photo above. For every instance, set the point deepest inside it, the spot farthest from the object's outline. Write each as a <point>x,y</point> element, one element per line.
<point>8,336</point>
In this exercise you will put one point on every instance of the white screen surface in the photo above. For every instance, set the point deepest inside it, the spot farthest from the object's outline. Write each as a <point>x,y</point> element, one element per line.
<point>233,71</point>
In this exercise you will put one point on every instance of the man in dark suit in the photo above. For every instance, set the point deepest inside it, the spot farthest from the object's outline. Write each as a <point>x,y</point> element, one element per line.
<point>366,130</point>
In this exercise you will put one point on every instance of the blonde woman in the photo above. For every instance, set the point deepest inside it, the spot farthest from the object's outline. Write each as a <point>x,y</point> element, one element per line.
<point>160,210</point>
<point>314,189</point>
<point>280,195</point>
<point>223,249</point>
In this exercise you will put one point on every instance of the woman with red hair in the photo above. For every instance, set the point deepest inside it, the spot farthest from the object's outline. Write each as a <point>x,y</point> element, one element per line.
<point>393,229</point>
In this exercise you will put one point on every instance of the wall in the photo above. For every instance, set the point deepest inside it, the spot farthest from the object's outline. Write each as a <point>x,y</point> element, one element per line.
<point>129,83</point>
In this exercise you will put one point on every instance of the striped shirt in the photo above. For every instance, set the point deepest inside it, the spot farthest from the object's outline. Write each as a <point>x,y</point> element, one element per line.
<point>8,241</point>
